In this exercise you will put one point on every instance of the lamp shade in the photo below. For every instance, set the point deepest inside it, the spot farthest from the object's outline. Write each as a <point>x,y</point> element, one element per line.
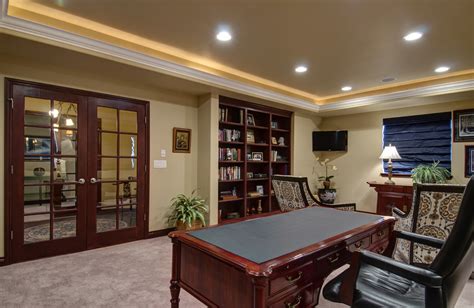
<point>390,152</point>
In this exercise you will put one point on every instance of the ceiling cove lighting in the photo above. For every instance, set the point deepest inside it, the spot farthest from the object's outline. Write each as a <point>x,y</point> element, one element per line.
<point>346,88</point>
<point>224,36</point>
<point>413,36</point>
<point>301,69</point>
<point>441,69</point>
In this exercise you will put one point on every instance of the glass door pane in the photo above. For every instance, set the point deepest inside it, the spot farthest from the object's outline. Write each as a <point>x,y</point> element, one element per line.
<point>117,165</point>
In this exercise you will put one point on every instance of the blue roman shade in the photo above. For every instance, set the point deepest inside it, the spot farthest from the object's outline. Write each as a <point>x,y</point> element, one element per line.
<point>419,140</point>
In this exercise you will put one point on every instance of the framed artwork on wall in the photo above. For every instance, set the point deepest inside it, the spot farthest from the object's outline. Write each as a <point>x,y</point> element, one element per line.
<point>469,167</point>
<point>463,128</point>
<point>181,140</point>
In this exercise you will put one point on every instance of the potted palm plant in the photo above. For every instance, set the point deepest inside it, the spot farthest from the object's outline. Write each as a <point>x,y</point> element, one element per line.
<point>433,173</point>
<point>187,212</point>
<point>326,194</point>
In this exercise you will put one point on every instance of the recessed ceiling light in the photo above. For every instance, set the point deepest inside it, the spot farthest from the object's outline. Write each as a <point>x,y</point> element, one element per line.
<point>442,69</point>
<point>346,88</point>
<point>413,36</point>
<point>224,36</point>
<point>301,69</point>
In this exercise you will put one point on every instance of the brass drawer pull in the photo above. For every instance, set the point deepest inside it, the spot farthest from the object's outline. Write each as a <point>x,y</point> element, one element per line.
<point>380,250</point>
<point>295,304</point>
<point>358,244</point>
<point>334,258</point>
<point>380,233</point>
<point>294,279</point>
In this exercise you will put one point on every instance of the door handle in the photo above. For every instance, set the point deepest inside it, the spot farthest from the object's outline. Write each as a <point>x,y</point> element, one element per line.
<point>94,180</point>
<point>81,181</point>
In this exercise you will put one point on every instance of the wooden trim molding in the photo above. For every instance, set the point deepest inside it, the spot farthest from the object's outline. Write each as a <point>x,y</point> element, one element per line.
<point>160,233</point>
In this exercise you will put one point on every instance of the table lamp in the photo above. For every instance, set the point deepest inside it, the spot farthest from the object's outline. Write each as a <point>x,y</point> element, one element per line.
<point>390,152</point>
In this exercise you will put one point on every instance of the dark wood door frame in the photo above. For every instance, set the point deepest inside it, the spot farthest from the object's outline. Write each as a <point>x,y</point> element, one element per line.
<point>9,143</point>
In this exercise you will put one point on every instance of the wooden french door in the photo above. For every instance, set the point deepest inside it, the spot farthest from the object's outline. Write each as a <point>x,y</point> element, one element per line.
<point>77,170</point>
<point>117,171</point>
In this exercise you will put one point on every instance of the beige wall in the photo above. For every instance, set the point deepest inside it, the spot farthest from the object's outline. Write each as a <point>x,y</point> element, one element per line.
<point>361,164</point>
<point>302,152</point>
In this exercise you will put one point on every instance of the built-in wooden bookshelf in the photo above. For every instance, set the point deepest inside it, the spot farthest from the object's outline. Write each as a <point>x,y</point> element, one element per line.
<point>254,144</point>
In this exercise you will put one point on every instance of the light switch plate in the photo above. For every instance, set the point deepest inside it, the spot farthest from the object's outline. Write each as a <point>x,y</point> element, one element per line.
<point>163,153</point>
<point>159,164</point>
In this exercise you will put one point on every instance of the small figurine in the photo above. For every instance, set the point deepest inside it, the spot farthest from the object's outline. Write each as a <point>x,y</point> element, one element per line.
<point>281,141</point>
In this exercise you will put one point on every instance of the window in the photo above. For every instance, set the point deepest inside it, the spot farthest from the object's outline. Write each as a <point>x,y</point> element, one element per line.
<point>419,140</point>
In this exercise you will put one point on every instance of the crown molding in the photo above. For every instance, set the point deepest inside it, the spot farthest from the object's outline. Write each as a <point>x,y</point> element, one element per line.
<point>43,33</point>
<point>389,99</point>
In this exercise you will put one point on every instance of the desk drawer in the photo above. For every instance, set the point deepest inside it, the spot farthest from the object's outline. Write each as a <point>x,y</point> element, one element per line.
<point>361,244</point>
<point>291,277</point>
<point>380,235</point>
<point>331,261</point>
<point>298,299</point>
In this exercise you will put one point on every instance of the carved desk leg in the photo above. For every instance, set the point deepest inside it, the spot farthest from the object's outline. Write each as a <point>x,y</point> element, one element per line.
<point>174,286</point>
<point>260,291</point>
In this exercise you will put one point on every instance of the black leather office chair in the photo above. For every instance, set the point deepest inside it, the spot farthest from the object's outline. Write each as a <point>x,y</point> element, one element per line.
<point>379,281</point>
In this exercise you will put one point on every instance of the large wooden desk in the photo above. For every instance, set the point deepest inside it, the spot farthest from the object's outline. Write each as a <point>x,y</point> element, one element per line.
<point>276,261</point>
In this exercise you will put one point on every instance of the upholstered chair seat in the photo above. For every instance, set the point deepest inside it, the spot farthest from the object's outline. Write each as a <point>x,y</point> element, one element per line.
<point>434,211</point>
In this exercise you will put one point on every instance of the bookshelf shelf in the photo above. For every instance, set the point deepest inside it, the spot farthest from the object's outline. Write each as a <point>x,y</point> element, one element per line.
<point>258,179</point>
<point>247,129</point>
<point>231,142</point>
<point>231,162</point>
<point>231,200</point>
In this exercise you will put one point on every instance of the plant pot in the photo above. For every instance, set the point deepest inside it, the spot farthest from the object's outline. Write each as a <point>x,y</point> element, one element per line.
<point>327,196</point>
<point>196,224</point>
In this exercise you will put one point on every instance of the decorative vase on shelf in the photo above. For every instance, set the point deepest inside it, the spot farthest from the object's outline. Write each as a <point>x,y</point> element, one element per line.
<point>327,195</point>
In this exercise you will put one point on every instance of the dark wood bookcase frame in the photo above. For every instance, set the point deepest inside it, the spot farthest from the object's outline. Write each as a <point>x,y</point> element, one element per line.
<point>237,112</point>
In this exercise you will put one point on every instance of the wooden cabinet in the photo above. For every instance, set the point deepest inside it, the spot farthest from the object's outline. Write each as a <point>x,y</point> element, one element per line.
<point>389,196</point>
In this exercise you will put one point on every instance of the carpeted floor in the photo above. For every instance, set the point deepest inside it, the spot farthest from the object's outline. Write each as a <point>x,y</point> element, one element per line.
<point>130,275</point>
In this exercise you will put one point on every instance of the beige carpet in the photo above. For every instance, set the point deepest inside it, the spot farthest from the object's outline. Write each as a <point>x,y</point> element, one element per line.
<point>129,275</point>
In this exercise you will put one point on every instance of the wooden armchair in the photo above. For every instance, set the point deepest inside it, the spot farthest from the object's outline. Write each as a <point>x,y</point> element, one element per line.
<point>434,211</point>
<point>292,192</point>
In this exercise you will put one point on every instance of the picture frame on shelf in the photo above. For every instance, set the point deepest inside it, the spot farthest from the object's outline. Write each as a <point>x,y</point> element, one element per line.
<point>250,120</point>
<point>250,136</point>
<point>274,124</point>
<point>260,190</point>
<point>274,141</point>
<point>463,128</point>
<point>181,140</point>
<point>257,156</point>
<point>249,175</point>
<point>469,156</point>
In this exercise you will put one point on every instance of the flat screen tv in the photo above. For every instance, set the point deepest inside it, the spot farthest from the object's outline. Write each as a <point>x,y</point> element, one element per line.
<point>330,141</point>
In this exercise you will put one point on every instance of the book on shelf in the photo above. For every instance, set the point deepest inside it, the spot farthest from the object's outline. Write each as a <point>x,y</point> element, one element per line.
<point>224,116</point>
<point>230,154</point>
<point>230,173</point>
<point>230,135</point>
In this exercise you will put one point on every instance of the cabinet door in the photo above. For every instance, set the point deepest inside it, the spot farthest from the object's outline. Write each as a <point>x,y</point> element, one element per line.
<point>390,200</point>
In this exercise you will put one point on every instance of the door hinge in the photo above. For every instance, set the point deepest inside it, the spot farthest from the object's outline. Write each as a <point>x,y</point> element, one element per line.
<point>11,235</point>
<point>145,120</point>
<point>146,168</point>
<point>12,102</point>
<point>144,217</point>
<point>11,169</point>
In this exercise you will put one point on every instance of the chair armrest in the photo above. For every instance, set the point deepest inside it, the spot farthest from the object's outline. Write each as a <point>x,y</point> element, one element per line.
<point>419,238</point>
<point>398,213</point>
<point>416,274</point>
